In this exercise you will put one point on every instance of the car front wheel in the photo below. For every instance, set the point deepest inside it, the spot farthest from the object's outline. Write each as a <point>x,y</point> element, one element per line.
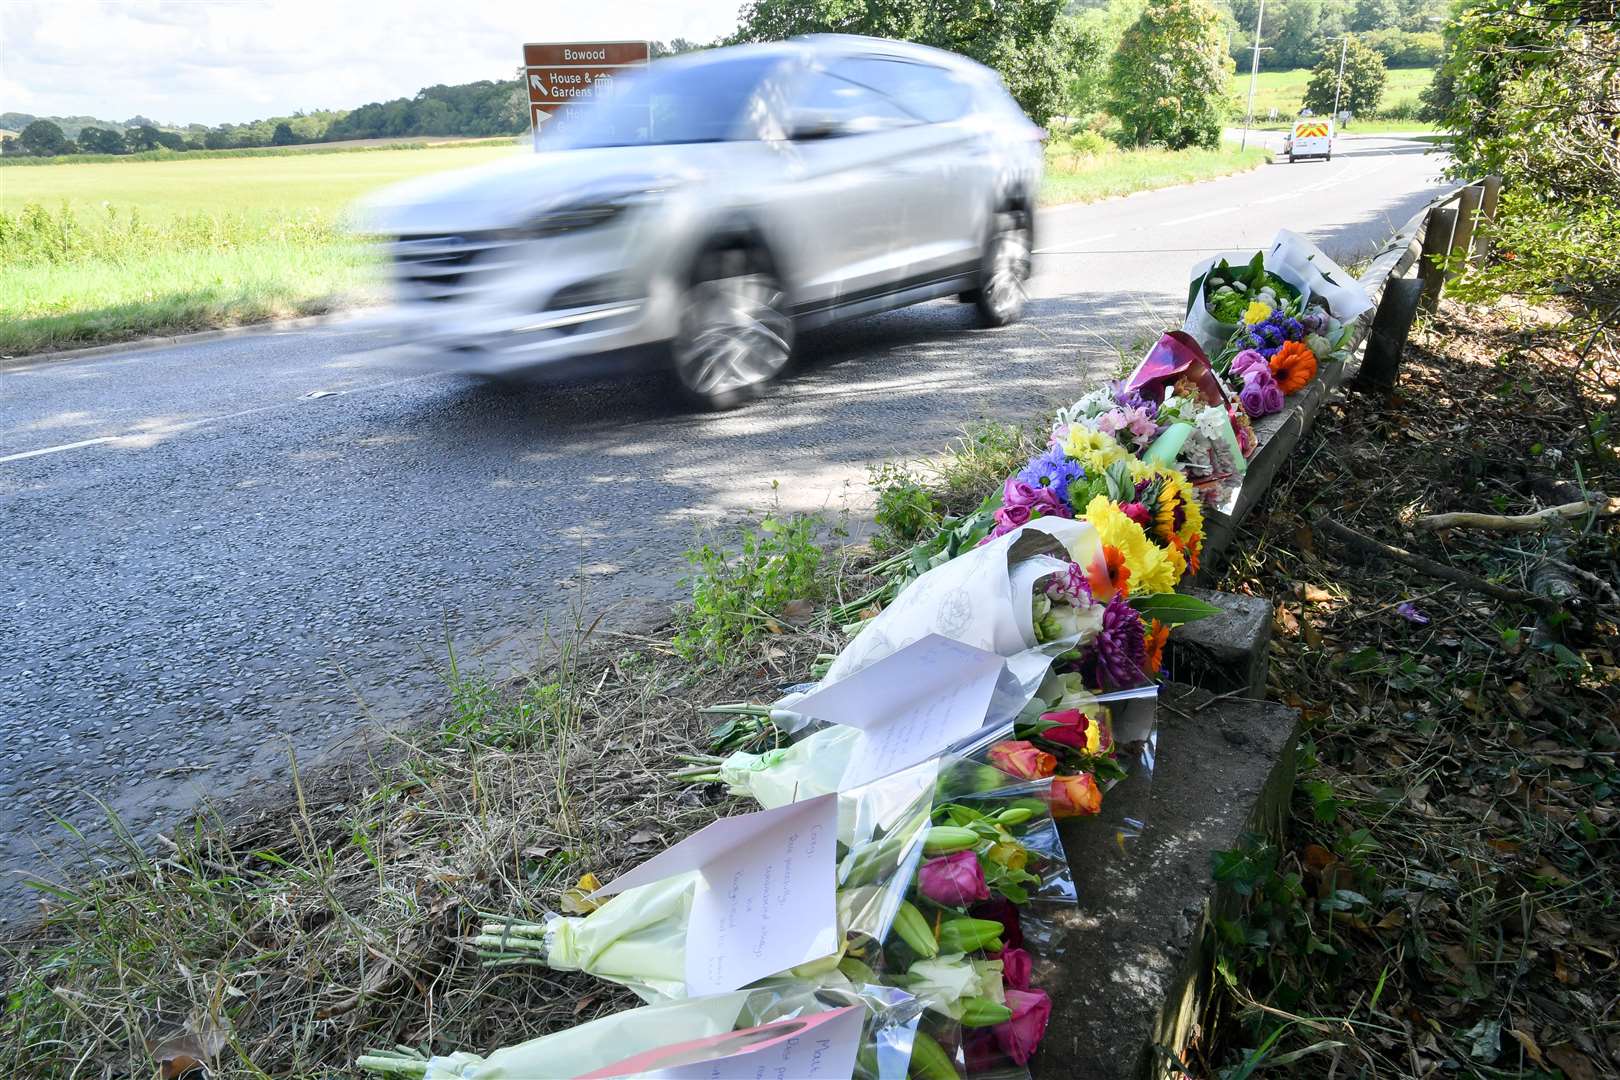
<point>1005,268</point>
<point>735,334</point>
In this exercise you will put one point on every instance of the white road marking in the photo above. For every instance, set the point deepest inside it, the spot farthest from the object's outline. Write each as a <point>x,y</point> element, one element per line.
<point>56,449</point>
<point>1199,217</point>
<point>149,435</point>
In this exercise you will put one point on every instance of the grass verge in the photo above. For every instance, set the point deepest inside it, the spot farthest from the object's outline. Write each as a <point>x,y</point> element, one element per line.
<point>1447,904</point>
<point>1073,176</point>
<point>104,252</point>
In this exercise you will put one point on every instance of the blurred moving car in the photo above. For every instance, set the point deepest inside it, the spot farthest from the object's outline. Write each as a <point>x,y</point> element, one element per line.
<point>720,203</point>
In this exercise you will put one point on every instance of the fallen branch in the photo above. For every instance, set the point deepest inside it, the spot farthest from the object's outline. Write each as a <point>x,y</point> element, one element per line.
<point>1541,519</point>
<point>1366,544</point>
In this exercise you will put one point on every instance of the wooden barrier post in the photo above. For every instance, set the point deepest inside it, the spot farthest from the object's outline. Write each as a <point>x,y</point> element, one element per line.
<point>1436,243</point>
<point>1487,214</point>
<point>1462,237</point>
<point>1381,365</point>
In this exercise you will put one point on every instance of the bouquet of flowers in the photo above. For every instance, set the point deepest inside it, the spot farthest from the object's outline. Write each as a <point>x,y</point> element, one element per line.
<point>888,1029</point>
<point>1227,291</point>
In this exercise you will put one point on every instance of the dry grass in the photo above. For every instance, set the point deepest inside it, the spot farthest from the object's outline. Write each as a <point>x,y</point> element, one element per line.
<point>299,934</point>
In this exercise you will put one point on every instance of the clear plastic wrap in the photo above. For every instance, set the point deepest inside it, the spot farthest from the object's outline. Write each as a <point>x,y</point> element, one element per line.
<point>888,1029</point>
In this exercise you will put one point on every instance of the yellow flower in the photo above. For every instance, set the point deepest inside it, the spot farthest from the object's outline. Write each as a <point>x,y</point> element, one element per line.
<point>1256,312</point>
<point>1092,449</point>
<point>1014,856</point>
<point>1152,570</point>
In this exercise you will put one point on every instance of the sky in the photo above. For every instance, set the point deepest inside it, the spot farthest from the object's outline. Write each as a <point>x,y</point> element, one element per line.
<point>219,61</point>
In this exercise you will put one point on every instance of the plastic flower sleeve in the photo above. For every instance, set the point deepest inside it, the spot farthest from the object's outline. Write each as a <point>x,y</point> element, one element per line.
<point>888,1030</point>
<point>1345,298</point>
<point>1211,333</point>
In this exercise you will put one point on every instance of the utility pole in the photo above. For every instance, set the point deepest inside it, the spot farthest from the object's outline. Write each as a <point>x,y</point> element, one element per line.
<point>1254,74</point>
<point>1339,88</point>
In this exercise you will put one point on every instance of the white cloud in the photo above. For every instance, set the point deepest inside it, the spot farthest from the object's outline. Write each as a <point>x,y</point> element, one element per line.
<point>213,61</point>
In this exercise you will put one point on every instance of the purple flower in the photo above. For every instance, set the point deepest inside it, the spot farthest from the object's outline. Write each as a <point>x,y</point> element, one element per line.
<point>1267,337</point>
<point>1049,503</point>
<point>1133,399</point>
<point>1119,651</point>
<point>1410,613</point>
<point>1017,493</point>
<point>1072,587</point>
<point>1261,396</point>
<point>1009,518</point>
<point>1052,471</point>
<point>1247,359</point>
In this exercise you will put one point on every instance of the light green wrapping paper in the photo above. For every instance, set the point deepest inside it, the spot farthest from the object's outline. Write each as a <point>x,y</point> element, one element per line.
<point>599,1043</point>
<point>638,939</point>
<point>1165,448</point>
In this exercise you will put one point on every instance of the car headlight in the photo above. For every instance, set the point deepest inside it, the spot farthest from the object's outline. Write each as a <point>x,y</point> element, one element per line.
<point>590,212</point>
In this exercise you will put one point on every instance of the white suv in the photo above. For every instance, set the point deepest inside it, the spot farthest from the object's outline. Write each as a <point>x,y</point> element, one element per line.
<point>720,203</point>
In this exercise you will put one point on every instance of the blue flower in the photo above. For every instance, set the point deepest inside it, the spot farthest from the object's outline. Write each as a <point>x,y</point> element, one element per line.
<point>1053,470</point>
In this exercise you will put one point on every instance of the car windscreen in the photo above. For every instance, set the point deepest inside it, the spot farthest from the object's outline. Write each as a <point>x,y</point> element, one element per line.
<point>673,103</point>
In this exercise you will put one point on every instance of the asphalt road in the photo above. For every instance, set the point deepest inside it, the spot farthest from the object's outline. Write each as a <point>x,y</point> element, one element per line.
<point>220,550</point>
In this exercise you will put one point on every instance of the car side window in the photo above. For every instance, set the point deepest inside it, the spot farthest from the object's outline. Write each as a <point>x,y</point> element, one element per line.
<point>856,109</point>
<point>932,94</point>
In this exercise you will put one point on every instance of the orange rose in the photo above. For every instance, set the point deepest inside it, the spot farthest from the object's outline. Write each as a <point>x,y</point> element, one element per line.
<point>1022,759</point>
<point>1075,796</point>
<point>1293,366</point>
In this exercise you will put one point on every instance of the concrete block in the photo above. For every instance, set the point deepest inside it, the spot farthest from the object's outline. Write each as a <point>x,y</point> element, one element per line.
<point>1132,979</point>
<point>1224,653</point>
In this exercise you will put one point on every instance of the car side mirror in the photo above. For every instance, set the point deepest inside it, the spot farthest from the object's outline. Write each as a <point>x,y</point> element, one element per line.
<point>808,125</point>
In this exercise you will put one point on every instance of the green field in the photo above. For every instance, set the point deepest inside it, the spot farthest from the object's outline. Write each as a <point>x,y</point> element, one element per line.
<point>1285,92</point>
<point>107,251</point>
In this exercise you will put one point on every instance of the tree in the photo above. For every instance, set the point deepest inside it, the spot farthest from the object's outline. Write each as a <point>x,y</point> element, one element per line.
<point>1027,41</point>
<point>10,146</point>
<point>1375,15</point>
<point>1364,76</point>
<point>44,139</point>
<point>144,137</point>
<point>94,140</point>
<point>171,140</point>
<point>1169,76</point>
<point>283,135</point>
<point>220,138</point>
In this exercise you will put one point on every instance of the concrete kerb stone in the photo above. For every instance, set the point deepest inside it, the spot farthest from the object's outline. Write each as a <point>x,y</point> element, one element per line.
<point>1132,974</point>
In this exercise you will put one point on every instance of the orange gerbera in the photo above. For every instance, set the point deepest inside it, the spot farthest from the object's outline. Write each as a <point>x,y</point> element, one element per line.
<point>1293,366</point>
<point>1157,635</point>
<point>1189,550</point>
<point>1111,577</point>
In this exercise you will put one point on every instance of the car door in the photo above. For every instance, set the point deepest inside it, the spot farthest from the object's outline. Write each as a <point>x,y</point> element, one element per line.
<point>943,162</point>
<point>844,200</point>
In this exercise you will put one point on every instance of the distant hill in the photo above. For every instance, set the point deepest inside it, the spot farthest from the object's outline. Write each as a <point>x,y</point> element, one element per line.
<point>13,122</point>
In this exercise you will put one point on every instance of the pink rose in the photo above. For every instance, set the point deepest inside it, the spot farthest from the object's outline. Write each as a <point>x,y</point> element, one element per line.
<point>1137,513</point>
<point>1050,505</point>
<point>1016,493</point>
<point>1019,1036</point>
<point>1015,968</point>
<point>953,880</point>
<point>1009,518</point>
<point>1247,359</point>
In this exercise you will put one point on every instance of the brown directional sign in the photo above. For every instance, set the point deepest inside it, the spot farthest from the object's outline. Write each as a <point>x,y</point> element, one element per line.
<point>575,73</point>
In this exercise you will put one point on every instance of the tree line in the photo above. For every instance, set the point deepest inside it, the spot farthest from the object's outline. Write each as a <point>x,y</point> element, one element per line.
<point>1075,58</point>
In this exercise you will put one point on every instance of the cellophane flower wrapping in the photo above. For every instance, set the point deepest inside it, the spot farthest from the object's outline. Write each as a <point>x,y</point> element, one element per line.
<point>888,1031</point>
<point>1212,333</point>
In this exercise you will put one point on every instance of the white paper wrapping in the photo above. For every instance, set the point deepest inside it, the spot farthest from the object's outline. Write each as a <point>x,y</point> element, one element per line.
<point>984,598</point>
<point>1334,286</point>
<point>1212,334</point>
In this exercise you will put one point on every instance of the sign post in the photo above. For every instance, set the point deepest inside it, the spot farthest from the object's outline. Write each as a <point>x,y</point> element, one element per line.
<point>577,74</point>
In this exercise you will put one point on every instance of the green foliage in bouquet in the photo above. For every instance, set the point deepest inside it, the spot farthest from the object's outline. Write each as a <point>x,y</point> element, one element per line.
<point>1229,290</point>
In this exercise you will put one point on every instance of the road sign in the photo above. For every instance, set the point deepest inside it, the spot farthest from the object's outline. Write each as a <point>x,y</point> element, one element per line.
<point>576,74</point>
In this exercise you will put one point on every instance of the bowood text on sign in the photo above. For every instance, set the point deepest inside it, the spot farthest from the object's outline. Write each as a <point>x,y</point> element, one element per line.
<point>575,73</point>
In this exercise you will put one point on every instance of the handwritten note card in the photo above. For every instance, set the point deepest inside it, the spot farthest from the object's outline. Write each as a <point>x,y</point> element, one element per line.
<point>809,1047</point>
<point>765,902</point>
<point>909,705</point>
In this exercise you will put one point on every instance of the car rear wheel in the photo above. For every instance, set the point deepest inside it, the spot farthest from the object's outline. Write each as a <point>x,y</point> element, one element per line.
<point>735,334</point>
<point>1005,267</point>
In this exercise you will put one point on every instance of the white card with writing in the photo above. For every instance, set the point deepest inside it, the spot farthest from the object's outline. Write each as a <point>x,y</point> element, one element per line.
<point>765,900</point>
<point>819,1047</point>
<point>910,705</point>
